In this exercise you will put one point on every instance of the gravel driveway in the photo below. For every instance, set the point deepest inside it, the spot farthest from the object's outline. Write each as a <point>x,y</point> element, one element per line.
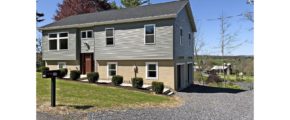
<point>201,103</point>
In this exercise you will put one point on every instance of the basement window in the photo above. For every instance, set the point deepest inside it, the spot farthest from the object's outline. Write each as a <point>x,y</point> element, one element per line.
<point>112,69</point>
<point>151,70</point>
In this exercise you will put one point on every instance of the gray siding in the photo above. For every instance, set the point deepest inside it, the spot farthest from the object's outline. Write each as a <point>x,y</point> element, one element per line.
<point>129,41</point>
<point>70,54</point>
<point>89,41</point>
<point>186,48</point>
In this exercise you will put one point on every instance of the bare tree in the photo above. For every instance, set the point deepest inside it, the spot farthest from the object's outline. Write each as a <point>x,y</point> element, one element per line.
<point>228,40</point>
<point>198,47</point>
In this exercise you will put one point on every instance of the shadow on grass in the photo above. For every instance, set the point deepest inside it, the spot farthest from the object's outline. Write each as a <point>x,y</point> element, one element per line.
<point>208,89</point>
<point>79,107</point>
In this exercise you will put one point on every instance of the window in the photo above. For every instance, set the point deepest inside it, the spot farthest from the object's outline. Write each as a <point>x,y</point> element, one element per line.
<point>87,34</point>
<point>189,38</point>
<point>58,41</point>
<point>109,36</point>
<point>151,70</point>
<point>63,44</point>
<point>61,65</point>
<point>53,44</point>
<point>149,34</point>
<point>180,40</point>
<point>112,69</point>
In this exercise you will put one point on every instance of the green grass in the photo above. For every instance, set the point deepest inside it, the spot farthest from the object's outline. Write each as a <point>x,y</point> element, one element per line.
<point>233,78</point>
<point>70,93</point>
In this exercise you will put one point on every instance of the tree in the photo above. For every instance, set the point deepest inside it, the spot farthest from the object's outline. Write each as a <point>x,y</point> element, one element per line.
<point>228,41</point>
<point>75,7</point>
<point>198,46</point>
<point>134,3</point>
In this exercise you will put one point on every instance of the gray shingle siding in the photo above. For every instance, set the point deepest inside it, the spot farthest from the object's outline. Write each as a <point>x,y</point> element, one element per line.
<point>70,54</point>
<point>129,41</point>
<point>186,48</point>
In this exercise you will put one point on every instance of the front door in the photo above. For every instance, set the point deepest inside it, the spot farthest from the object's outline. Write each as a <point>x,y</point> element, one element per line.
<point>87,63</point>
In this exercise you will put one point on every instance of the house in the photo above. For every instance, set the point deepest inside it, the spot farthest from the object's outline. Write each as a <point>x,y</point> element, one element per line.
<point>157,38</point>
<point>223,68</point>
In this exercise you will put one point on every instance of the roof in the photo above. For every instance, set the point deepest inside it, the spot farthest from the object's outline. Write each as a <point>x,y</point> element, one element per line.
<point>140,13</point>
<point>219,67</point>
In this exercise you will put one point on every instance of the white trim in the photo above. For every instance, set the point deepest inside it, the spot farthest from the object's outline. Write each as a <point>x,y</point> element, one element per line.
<point>151,78</point>
<point>154,38</point>
<point>110,36</point>
<point>109,63</point>
<point>58,40</point>
<point>180,63</point>
<point>111,22</point>
<point>64,66</point>
<point>86,34</point>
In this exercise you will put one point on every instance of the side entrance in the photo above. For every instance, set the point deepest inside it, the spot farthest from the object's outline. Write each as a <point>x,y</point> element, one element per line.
<point>87,62</point>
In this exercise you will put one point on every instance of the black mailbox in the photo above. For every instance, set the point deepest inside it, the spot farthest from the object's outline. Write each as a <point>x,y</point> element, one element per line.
<point>50,73</point>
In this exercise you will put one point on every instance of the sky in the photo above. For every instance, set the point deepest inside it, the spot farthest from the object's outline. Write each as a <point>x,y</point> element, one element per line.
<point>205,14</point>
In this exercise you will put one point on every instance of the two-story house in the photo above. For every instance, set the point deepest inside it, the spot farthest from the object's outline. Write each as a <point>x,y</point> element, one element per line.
<point>157,38</point>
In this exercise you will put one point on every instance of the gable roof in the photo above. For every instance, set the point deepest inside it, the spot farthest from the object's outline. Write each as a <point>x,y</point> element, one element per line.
<point>140,13</point>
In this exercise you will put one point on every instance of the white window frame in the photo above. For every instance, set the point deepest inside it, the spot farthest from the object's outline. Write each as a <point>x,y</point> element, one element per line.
<point>151,78</point>
<point>181,35</point>
<point>64,64</point>
<point>58,40</point>
<point>154,39</point>
<point>87,34</point>
<point>110,37</point>
<point>109,63</point>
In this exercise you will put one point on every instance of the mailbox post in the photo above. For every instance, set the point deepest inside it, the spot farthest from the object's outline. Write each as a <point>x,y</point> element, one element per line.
<point>51,74</point>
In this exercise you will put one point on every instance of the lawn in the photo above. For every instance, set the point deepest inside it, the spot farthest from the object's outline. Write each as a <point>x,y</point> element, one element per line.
<point>80,95</point>
<point>233,78</point>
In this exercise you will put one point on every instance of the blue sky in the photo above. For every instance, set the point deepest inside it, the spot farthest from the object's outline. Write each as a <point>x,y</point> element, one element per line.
<point>202,11</point>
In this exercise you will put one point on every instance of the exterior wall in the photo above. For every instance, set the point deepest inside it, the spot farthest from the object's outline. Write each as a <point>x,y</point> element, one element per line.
<point>70,64</point>
<point>186,48</point>
<point>70,54</point>
<point>89,41</point>
<point>125,68</point>
<point>129,41</point>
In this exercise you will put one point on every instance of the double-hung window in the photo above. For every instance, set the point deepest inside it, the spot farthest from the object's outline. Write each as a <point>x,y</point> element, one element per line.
<point>109,36</point>
<point>86,34</point>
<point>112,69</point>
<point>58,41</point>
<point>151,70</point>
<point>149,34</point>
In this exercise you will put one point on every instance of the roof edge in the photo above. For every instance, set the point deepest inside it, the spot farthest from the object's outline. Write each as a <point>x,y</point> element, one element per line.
<point>111,22</point>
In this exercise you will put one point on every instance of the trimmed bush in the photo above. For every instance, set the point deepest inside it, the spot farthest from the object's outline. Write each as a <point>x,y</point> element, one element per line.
<point>43,68</point>
<point>75,74</point>
<point>117,80</point>
<point>157,87</point>
<point>137,82</point>
<point>62,72</point>
<point>93,77</point>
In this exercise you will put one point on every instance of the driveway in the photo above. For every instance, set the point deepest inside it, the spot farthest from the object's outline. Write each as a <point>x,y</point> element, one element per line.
<point>200,103</point>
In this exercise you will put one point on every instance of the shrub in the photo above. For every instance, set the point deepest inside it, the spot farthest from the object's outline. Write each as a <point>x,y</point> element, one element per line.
<point>43,68</point>
<point>157,87</point>
<point>117,80</point>
<point>93,77</point>
<point>137,82</point>
<point>213,78</point>
<point>62,72</point>
<point>75,74</point>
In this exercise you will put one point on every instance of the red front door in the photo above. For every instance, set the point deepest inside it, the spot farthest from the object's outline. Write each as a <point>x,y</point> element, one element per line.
<point>87,63</point>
